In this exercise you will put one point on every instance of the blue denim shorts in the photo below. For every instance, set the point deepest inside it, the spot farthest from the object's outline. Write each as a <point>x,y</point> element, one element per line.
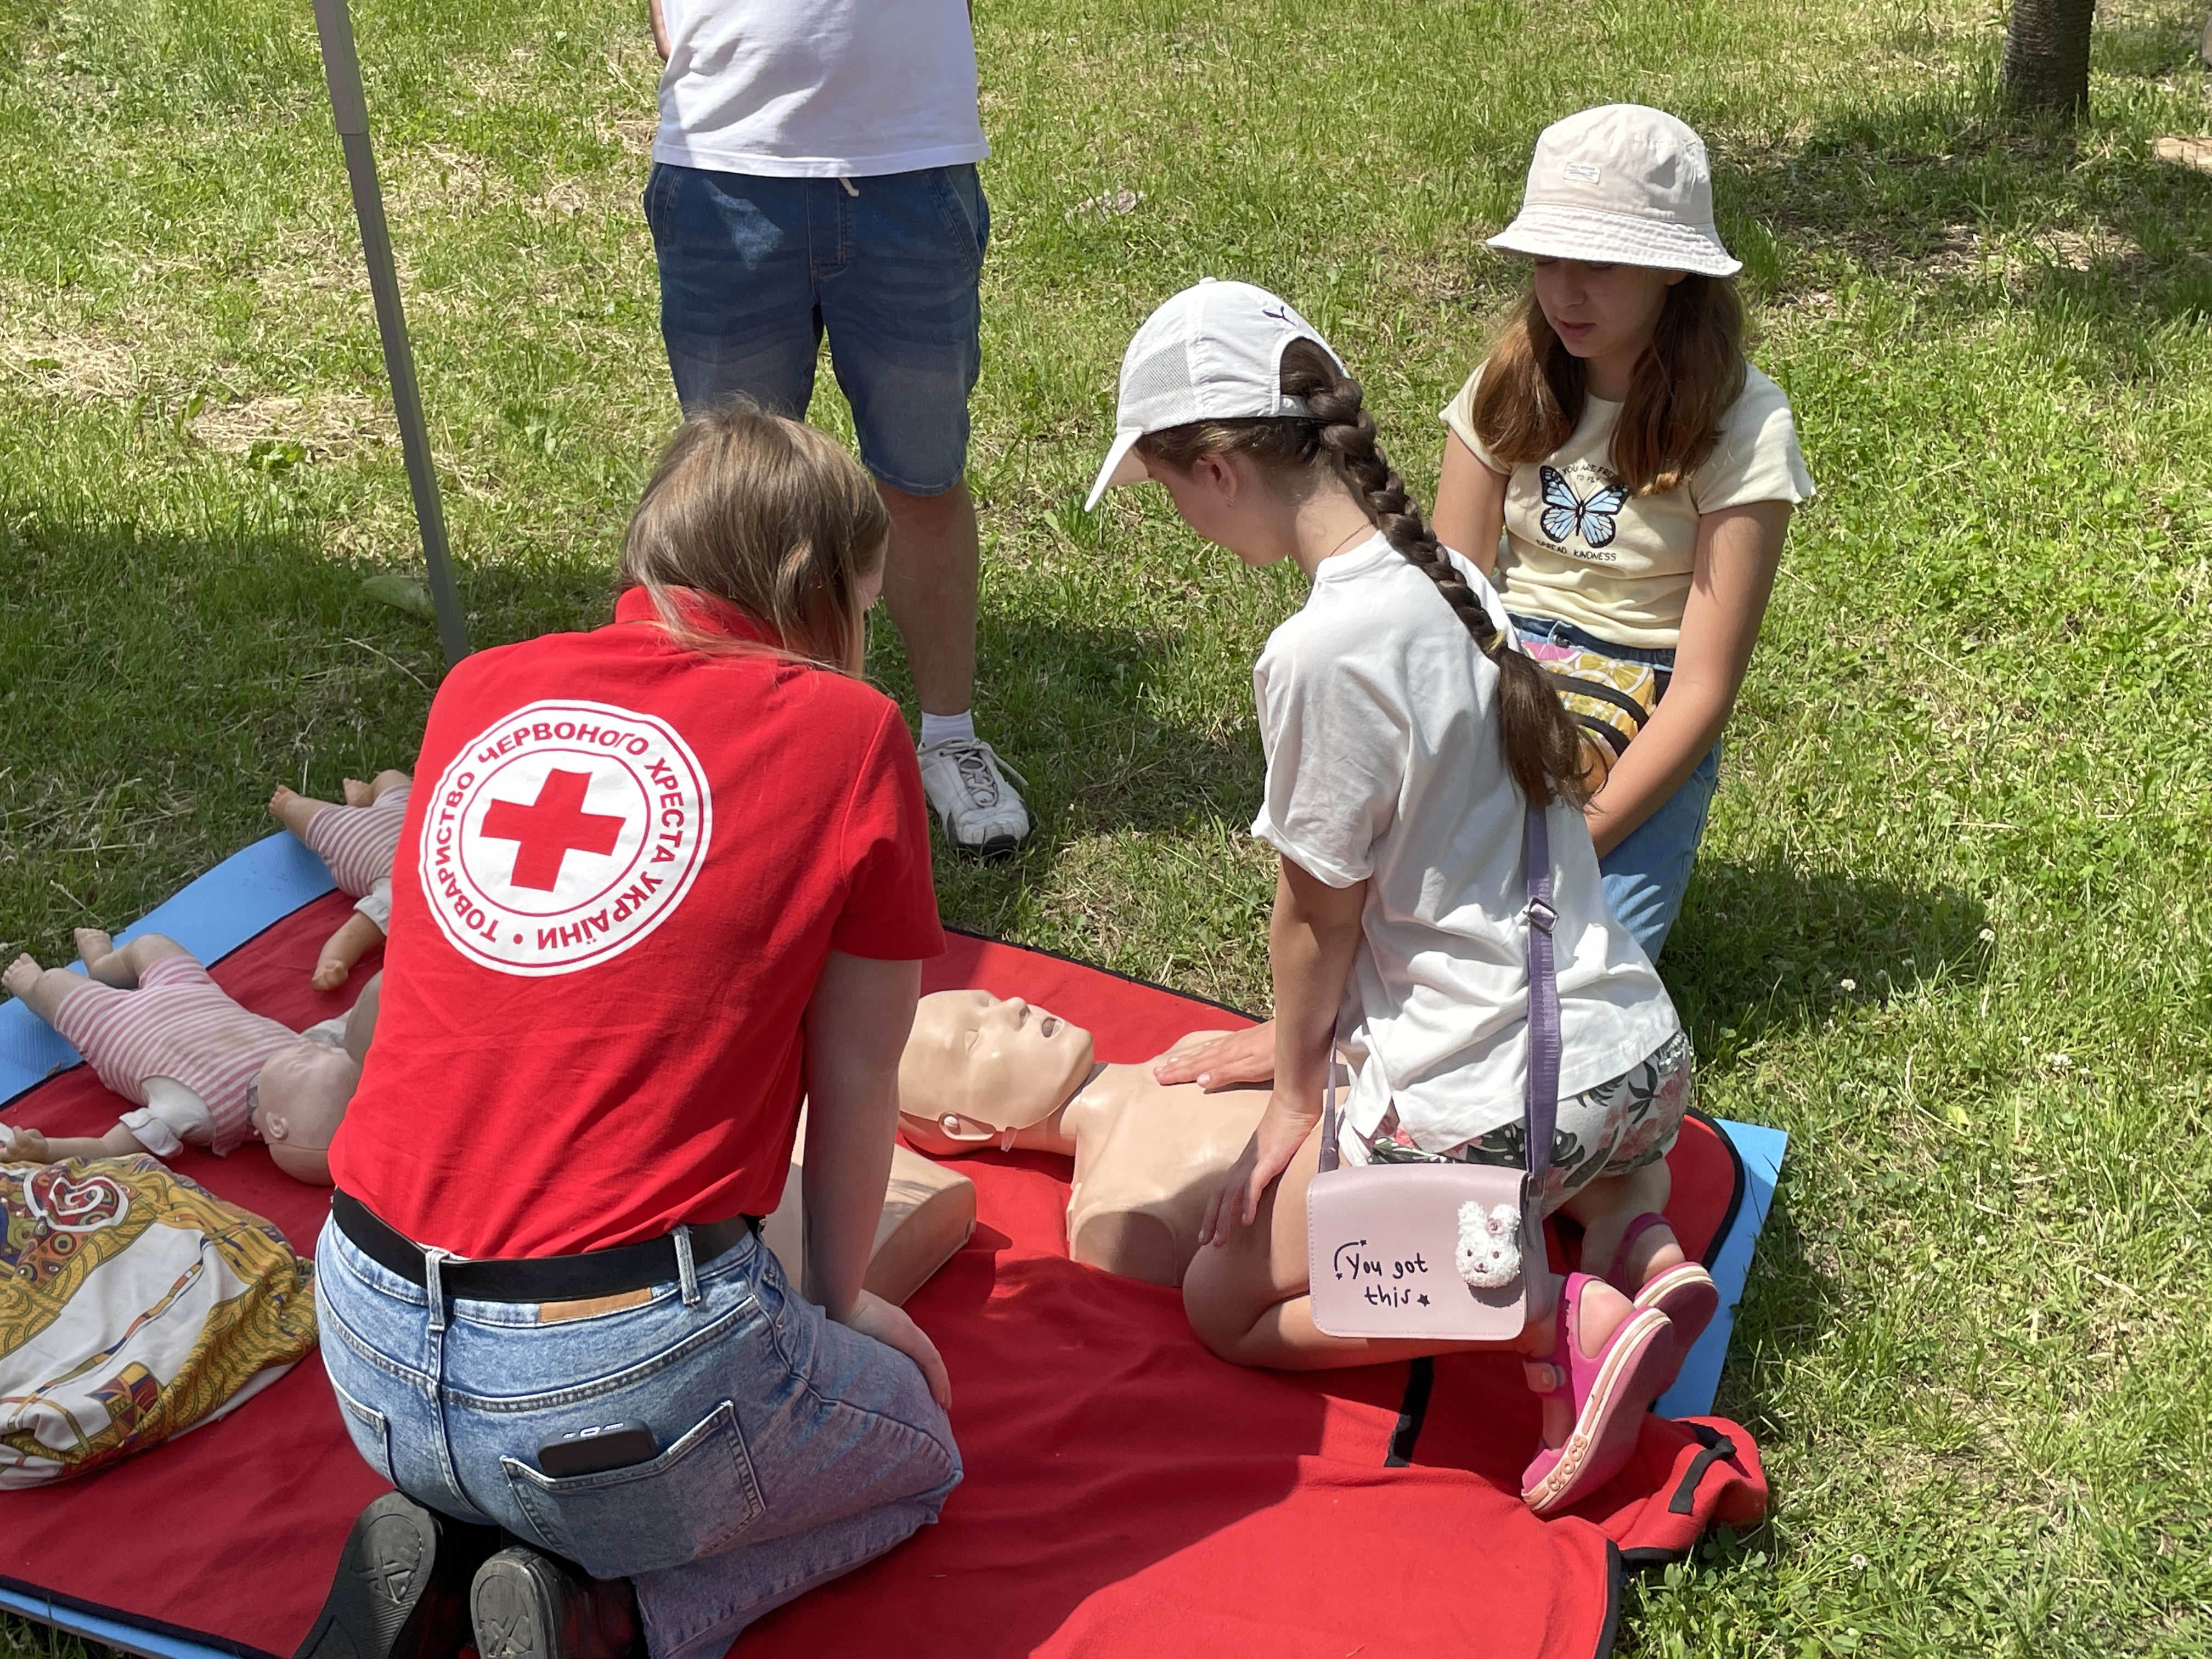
<point>792,1450</point>
<point>754,270</point>
<point>1646,876</point>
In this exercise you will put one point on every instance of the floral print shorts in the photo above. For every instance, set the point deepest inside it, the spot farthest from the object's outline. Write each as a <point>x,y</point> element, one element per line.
<point>1618,1127</point>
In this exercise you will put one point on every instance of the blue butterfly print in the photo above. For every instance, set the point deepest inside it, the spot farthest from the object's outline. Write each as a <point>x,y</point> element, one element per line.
<point>1566,514</point>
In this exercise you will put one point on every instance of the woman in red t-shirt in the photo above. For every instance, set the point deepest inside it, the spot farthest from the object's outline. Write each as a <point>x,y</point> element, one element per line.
<point>656,883</point>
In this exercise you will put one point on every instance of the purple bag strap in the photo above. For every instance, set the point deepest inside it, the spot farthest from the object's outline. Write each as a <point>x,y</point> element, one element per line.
<point>1543,1096</point>
<point>1543,1109</point>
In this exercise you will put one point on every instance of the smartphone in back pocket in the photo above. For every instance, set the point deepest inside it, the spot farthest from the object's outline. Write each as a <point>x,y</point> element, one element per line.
<point>589,1451</point>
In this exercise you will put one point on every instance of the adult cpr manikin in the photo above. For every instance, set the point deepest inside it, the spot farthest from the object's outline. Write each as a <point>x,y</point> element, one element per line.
<point>980,1070</point>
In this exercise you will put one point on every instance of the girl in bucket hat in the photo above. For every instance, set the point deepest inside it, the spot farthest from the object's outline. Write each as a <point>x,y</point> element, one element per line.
<point>1642,475</point>
<point>1404,738</point>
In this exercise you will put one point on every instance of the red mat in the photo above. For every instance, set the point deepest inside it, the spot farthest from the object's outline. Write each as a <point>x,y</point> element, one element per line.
<point>1128,1494</point>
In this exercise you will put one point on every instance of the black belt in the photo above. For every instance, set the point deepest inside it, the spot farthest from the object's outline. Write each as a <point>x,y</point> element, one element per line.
<point>539,1278</point>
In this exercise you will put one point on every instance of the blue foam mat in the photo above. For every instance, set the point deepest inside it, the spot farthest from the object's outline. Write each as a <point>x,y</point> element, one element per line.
<point>1700,1380</point>
<point>252,890</point>
<point>98,1627</point>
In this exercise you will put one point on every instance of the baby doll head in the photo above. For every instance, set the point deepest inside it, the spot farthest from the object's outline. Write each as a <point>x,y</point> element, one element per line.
<point>300,1100</point>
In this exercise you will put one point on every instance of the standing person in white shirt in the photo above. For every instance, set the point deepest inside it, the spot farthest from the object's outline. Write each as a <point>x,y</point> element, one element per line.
<point>815,173</point>
<point>1406,735</point>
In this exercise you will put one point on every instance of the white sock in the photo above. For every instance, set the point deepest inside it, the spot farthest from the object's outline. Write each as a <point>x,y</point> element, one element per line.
<point>941,728</point>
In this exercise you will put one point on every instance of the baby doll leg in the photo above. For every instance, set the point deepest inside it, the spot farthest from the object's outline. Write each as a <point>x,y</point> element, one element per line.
<point>42,989</point>
<point>358,793</point>
<point>294,812</point>
<point>120,966</point>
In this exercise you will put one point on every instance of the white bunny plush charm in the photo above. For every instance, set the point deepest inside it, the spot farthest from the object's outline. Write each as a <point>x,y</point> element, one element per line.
<point>1489,1254</point>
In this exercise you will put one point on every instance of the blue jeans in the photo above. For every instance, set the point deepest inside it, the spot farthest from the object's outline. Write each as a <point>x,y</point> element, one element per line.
<point>754,270</point>
<point>1646,875</point>
<point>793,1449</point>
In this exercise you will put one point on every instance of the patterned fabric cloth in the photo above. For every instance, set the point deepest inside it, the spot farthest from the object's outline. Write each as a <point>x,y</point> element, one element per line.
<point>139,1305</point>
<point>1619,1126</point>
<point>357,841</point>
<point>178,1023</point>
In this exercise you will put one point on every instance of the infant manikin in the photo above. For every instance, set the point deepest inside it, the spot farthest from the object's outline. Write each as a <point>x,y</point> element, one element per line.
<point>981,1071</point>
<point>357,841</point>
<point>203,1070</point>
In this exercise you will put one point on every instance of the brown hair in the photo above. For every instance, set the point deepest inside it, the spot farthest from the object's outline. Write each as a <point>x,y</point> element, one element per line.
<point>1543,744</point>
<point>769,515</point>
<point>1531,395</point>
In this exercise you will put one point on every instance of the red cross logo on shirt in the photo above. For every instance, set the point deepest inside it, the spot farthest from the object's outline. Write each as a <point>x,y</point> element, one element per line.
<point>551,827</point>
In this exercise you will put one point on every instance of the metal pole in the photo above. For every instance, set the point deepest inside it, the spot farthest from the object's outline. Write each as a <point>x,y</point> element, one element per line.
<point>350,108</point>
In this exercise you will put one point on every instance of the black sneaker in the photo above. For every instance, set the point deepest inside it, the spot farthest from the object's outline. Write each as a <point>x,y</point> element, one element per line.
<point>401,1591</point>
<point>525,1605</point>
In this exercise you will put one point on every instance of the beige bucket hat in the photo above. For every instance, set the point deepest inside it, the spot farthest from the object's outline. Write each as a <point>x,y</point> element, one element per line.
<point>1621,184</point>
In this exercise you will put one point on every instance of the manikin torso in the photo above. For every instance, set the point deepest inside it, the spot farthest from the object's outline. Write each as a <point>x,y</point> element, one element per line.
<point>1147,1157</point>
<point>981,1071</point>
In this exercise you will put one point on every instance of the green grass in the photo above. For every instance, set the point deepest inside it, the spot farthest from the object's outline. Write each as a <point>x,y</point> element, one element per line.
<point>1951,925</point>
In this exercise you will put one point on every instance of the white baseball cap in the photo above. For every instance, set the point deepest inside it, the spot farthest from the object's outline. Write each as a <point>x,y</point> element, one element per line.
<point>1621,184</point>
<point>1214,352</point>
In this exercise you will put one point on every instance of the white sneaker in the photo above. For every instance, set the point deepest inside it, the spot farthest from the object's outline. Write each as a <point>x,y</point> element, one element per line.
<point>966,782</point>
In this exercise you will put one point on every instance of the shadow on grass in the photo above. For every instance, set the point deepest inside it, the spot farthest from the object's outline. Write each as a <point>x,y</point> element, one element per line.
<point>1077,706</point>
<point>2083,228</point>
<point>164,669</point>
<point>1765,947</point>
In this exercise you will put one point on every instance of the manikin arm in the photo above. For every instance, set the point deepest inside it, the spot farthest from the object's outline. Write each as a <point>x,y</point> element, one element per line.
<point>856,1028</point>
<point>29,1147</point>
<point>355,937</point>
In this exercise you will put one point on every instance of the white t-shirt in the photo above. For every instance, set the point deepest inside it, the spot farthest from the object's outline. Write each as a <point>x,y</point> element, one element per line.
<point>1385,763</point>
<point>818,88</point>
<point>1579,547</point>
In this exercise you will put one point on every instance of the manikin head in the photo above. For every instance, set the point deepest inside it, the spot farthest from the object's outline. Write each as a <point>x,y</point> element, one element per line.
<point>977,1065</point>
<point>300,1100</point>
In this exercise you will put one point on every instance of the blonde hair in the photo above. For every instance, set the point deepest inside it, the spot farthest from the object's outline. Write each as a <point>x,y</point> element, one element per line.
<point>766,514</point>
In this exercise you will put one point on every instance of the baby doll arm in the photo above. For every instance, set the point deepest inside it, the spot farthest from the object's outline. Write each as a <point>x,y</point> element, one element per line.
<point>29,1147</point>
<point>355,940</point>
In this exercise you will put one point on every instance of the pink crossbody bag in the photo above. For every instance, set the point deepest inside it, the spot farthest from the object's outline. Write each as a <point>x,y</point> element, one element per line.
<point>1447,1252</point>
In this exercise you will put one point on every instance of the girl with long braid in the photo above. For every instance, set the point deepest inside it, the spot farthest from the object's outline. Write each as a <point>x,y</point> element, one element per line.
<point>1404,733</point>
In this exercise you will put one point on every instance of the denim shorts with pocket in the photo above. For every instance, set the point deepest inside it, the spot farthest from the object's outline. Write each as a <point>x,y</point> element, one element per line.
<point>1647,874</point>
<point>754,270</point>
<point>791,1448</point>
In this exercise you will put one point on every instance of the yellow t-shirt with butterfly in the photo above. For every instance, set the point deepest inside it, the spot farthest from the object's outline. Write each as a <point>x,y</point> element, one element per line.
<point>1578,547</point>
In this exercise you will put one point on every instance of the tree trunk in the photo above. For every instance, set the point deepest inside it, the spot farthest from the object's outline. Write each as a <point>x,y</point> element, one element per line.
<point>2046,58</point>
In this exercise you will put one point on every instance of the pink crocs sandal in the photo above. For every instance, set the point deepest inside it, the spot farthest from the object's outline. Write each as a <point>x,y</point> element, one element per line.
<point>1685,1292</point>
<point>1610,1394</point>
